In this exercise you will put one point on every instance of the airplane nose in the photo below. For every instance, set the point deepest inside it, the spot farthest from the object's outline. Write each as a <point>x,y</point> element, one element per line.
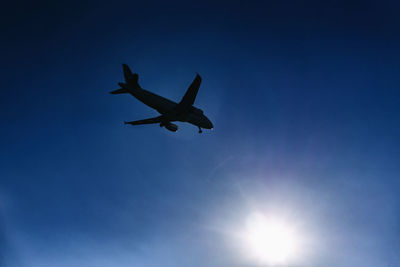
<point>205,123</point>
<point>209,124</point>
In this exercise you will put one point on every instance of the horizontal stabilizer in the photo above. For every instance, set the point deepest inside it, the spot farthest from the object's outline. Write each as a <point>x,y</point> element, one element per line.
<point>119,91</point>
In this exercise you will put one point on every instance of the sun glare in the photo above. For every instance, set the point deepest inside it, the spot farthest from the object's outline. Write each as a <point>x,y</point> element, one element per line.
<point>270,240</point>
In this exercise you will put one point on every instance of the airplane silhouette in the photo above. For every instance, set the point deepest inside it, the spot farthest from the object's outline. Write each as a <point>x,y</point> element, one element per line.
<point>170,111</point>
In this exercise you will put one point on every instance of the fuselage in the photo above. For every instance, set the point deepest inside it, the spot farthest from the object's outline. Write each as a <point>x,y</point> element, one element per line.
<point>169,109</point>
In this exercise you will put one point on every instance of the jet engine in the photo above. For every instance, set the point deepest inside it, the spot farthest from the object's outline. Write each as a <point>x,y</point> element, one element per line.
<point>172,127</point>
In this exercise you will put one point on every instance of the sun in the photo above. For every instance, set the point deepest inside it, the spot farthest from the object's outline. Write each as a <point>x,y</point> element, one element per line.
<point>270,240</point>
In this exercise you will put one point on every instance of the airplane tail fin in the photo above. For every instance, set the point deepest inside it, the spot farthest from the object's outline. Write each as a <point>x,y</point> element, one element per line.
<point>131,79</point>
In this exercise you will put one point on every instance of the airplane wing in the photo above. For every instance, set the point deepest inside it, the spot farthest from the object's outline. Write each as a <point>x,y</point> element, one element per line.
<point>145,121</point>
<point>190,95</point>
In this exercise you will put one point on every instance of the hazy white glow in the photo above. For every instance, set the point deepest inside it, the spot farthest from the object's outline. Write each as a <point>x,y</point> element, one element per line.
<point>270,240</point>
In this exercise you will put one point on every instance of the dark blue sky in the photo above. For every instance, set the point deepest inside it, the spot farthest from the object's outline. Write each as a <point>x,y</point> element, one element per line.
<point>304,97</point>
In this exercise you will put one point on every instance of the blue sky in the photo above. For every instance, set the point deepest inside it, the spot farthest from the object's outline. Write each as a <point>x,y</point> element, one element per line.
<point>304,97</point>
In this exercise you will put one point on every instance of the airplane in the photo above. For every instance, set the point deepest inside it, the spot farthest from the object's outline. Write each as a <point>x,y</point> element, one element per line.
<point>170,111</point>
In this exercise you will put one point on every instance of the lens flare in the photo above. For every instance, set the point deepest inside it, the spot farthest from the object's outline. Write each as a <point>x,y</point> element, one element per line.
<point>270,240</point>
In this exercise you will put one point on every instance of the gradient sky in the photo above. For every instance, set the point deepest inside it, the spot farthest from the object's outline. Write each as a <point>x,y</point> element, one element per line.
<point>304,97</point>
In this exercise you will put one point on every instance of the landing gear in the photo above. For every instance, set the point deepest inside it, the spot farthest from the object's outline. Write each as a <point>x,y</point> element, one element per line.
<point>200,131</point>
